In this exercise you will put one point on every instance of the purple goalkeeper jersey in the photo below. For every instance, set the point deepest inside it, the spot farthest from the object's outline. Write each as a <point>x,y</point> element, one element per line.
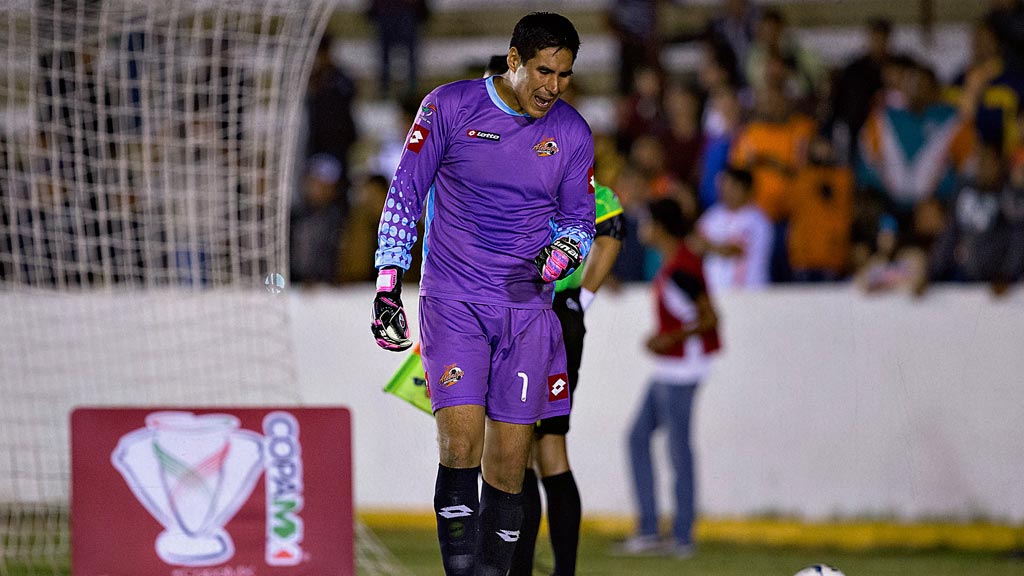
<point>494,187</point>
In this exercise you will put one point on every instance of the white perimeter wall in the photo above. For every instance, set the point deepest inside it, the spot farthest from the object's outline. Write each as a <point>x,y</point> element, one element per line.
<point>825,404</point>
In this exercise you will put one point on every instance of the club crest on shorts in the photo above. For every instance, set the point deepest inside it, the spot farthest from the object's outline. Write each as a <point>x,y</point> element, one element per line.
<point>558,387</point>
<point>546,147</point>
<point>451,375</point>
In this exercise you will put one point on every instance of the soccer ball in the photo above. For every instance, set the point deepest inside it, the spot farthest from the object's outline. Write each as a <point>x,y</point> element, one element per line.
<point>820,570</point>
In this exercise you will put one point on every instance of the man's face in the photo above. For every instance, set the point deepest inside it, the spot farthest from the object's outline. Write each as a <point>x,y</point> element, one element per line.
<point>541,80</point>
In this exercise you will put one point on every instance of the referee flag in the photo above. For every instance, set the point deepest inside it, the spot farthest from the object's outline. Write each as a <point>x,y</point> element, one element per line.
<point>409,382</point>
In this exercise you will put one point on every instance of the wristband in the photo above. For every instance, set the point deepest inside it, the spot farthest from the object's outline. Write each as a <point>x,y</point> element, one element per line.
<point>586,297</point>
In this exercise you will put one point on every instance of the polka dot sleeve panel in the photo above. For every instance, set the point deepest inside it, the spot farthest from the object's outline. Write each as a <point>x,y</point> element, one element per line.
<point>424,148</point>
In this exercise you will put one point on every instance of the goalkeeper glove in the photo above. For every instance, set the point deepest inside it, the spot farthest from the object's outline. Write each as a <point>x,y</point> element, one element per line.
<point>559,259</point>
<point>389,325</point>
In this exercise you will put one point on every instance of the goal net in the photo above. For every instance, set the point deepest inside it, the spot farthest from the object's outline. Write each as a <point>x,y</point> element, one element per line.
<point>146,151</point>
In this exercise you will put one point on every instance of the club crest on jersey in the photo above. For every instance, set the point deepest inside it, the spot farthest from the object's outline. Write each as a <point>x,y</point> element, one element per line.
<point>451,375</point>
<point>417,137</point>
<point>485,135</point>
<point>426,111</point>
<point>546,147</point>
<point>558,387</point>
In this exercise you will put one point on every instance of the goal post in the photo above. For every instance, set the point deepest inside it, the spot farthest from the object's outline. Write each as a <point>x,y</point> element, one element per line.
<point>146,158</point>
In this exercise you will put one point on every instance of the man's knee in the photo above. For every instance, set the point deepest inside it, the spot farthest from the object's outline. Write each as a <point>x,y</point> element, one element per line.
<point>552,458</point>
<point>460,436</point>
<point>505,478</point>
<point>459,451</point>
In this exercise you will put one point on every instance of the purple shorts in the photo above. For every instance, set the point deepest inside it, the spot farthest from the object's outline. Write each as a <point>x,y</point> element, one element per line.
<point>511,360</point>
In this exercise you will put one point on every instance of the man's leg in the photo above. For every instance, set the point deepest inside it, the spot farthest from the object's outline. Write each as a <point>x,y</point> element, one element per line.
<point>564,508</point>
<point>522,559</point>
<point>460,439</point>
<point>680,405</point>
<point>640,457</point>
<point>563,496</point>
<point>506,452</point>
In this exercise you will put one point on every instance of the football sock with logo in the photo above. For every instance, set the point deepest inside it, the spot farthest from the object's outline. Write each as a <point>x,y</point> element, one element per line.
<point>457,507</point>
<point>564,511</point>
<point>522,560</point>
<point>501,515</point>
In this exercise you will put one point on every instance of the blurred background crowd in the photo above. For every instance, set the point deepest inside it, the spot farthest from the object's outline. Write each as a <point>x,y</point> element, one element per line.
<point>803,157</point>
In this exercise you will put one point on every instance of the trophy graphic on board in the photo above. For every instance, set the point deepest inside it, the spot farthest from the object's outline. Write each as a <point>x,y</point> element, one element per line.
<point>192,473</point>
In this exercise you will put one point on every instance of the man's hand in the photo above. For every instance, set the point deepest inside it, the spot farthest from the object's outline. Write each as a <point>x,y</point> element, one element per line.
<point>559,259</point>
<point>389,324</point>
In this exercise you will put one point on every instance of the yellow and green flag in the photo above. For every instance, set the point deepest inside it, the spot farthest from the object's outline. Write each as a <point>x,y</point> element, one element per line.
<point>409,382</point>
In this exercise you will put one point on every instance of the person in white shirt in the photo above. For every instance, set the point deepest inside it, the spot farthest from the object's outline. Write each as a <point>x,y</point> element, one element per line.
<point>735,236</point>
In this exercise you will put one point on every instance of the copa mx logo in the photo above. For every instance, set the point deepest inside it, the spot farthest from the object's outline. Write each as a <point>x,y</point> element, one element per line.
<point>284,489</point>
<point>194,472</point>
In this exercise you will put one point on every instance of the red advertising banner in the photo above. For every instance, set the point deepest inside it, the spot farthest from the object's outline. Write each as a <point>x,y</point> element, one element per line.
<point>211,492</point>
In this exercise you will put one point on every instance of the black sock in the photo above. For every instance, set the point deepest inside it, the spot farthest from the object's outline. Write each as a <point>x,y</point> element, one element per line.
<point>457,507</point>
<point>501,515</point>
<point>564,511</point>
<point>522,560</point>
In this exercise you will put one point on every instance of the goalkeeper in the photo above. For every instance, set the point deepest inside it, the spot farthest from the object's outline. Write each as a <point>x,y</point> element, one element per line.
<point>502,172</point>
<point>573,295</point>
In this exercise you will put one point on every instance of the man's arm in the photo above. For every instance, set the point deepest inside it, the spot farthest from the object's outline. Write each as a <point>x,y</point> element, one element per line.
<point>576,207</point>
<point>707,318</point>
<point>424,147</point>
<point>574,219</point>
<point>610,230</point>
<point>396,233</point>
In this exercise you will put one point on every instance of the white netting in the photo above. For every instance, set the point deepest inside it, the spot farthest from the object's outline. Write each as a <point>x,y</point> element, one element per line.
<point>145,155</point>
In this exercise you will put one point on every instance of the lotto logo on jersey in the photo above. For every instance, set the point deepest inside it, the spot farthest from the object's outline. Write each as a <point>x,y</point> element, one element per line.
<point>558,387</point>
<point>485,135</point>
<point>591,181</point>
<point>417,136</point>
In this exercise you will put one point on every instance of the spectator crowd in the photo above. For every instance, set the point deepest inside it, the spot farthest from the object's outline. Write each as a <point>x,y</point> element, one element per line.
<point>877,171</point>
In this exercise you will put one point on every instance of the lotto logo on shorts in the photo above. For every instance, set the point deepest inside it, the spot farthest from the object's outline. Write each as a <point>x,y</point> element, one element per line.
<point>558,387</point>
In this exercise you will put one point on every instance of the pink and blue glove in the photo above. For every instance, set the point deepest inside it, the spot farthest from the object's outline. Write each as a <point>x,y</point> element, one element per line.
<point>558,260</point>
<point>389,324</point>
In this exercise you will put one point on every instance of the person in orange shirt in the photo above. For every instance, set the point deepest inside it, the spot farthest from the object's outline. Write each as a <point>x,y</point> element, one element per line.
<point>820,217</point>
<point>773,146</point>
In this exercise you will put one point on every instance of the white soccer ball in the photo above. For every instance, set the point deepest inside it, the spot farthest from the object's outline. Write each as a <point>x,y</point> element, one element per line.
<point>820,570</point>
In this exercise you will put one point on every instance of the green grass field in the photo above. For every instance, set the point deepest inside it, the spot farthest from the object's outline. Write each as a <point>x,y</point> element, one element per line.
<point>417,550</point>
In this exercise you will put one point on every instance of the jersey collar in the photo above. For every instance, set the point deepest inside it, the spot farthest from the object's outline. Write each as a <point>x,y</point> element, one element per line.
<point>493,93</point>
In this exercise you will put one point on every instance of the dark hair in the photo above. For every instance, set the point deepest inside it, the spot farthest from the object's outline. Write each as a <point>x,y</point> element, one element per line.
<point>902,61</point>
<point>378,180</point>
<point>881,25</point>
<point>723,56</point>
<point>742,177</point>
<point>539,30</point>
<point>668,214</point>
<point>498,64</point>
<point>325,43</point>
<point>773,14</point>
